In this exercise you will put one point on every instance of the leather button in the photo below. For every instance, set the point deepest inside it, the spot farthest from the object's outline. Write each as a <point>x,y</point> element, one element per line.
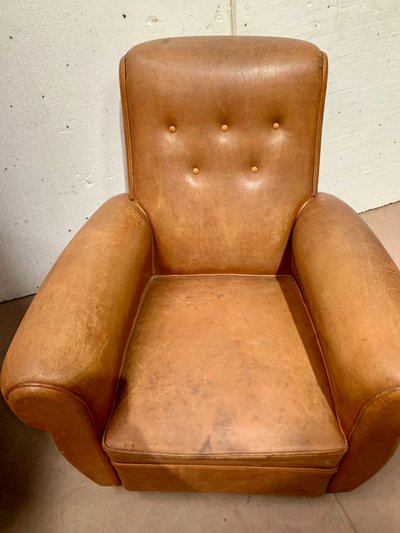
<point>275,125</point>
<point>195,170</point>
<point>254,169</point>
<point>172,129</point>
<point>224,127</point>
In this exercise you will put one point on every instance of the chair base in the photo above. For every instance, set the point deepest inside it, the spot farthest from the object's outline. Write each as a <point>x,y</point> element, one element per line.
<point>232,479</point>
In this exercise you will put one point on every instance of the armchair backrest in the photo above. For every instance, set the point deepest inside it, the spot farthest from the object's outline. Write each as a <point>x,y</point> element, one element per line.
<point>223,137</point>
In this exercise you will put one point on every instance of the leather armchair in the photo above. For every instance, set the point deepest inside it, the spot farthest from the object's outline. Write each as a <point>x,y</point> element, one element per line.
<point>222,327</point>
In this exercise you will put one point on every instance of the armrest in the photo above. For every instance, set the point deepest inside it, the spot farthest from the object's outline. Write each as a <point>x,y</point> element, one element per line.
<point>61,371</point>
<point>352,289</point>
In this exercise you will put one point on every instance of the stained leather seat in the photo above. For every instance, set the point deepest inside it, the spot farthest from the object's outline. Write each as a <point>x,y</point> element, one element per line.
<point>223,326</point>
<point>234,375</point>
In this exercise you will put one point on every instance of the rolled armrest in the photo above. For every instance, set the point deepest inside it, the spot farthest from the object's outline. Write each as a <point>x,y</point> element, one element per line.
<point>61,371</point>
<point>352,289</point>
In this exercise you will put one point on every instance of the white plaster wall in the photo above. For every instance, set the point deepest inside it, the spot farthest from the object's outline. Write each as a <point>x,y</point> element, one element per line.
<point>61,147</point>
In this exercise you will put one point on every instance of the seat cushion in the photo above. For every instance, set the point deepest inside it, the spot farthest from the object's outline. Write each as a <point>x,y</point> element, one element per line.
<point>224,369</point>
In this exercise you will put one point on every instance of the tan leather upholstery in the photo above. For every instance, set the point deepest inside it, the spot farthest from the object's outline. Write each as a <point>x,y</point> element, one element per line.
<point>352,288</point>
<point>224,328</point>
<point>62,368</point>
<point>247,85</point>
<point>244,479</point>
<point>231,352</point>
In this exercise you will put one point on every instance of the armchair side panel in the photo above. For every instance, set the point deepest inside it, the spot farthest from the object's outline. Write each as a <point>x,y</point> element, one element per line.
<point>352,289</point>
<point>61,371</point>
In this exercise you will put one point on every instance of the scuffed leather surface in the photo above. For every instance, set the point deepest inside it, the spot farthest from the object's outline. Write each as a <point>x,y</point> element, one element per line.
<point>226,218</point>
<point>73,429</point>
<point>73,336</point>
<point>352,288</point>
<point>224,382</point>
<point>225,370</point>
<point>239,479</point>
<point>373,441</point>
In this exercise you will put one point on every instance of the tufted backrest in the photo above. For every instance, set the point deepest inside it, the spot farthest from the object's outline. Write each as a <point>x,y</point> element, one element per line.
<point>223,138</point>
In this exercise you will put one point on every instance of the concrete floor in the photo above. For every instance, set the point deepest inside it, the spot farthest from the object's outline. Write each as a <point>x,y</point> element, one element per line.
<point>41,492</point>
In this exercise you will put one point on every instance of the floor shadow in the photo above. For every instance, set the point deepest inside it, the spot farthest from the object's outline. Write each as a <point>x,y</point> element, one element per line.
<point>21,447</point>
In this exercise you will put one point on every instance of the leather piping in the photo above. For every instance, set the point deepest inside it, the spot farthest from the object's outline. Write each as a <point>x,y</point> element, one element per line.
<point>319,124</point>
<point>123,361</point>
<point>50,387</point>
<point>325,365</point>
<point>222,467</point>
<point>127,127</point>
<point>302,207</point>
<point>221,274</point>
<point>323,453</point>
<point>291,235</point>
<point>150,228</point>
<point>365,406</point>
